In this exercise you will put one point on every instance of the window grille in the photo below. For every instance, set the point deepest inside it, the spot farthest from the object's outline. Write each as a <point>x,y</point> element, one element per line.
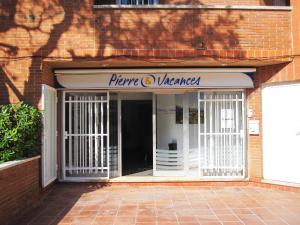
<point>86,136</point>
<point>126,2</point>
<point>222,137</point>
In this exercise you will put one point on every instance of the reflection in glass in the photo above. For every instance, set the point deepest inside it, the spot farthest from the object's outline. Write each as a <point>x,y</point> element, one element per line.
<point>169,152</point>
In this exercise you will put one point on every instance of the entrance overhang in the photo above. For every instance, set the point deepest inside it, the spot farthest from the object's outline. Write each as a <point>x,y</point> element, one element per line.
<point>155,78</point>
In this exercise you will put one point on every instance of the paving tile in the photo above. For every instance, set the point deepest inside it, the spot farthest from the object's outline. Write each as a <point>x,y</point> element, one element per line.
<point>264,213</point>
<point>251,219</point>
<point>207,218</point>
<point>167,223</point>
<point>66,219</point>
<point>232,223</point>
<point>147,219</point>
<point>42,220</point>
<point>145,223</point>
<point>291,218</point>
<point>146,212</point>
<point>204,212</point>
<point>228,217</point>
<point>211,223</point>
<point>125,220</point>
<point>190,218</point>
<point>125,212</point>
<point>188,223</point>
<point>275,222</point>
<point>242,211</point>
<point>165,205</point>
<point>196,205</point>
<point>78,220</point>
<point>166,218</point>
<point>88,213</point>
<point>104,219</point>
<point>222,211</point>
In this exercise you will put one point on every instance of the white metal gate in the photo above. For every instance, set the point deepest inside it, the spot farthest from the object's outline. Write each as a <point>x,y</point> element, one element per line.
<point>86,135</point>
<point>221,134</point>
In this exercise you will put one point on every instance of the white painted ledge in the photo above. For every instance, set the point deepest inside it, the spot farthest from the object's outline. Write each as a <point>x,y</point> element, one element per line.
<point>288,184</point>
<point>9,164</point>
<point>196,6</point>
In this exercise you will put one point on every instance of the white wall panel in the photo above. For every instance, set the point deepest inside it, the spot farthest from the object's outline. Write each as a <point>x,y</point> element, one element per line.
<point>49,148</point>
<point>281,133</point>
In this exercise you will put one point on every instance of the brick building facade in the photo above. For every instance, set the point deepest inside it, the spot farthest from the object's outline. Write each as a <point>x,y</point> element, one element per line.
<point>37,37</point>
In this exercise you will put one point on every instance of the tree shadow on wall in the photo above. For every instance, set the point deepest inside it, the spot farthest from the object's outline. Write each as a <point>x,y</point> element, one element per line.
<point>30,32</point>
<point>36,30</point>
<point>167,30</point>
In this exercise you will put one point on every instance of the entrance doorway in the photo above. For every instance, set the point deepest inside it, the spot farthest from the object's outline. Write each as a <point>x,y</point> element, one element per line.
<point>137,151</point>
<point>190,134</point>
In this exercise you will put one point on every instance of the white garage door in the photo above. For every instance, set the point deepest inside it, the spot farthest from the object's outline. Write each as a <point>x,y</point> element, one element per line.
<point>281,132</point>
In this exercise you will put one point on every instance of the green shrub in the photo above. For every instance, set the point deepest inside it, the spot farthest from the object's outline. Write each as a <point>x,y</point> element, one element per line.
<point>20,131</point>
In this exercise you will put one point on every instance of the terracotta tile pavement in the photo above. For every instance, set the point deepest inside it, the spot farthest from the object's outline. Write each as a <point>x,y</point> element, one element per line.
<point>91,204</point>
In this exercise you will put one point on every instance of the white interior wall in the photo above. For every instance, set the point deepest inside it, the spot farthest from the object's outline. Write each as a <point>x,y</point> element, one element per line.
<point>167,129</point>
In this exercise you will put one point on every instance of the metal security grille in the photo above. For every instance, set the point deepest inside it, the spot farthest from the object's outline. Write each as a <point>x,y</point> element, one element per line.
<point>137,2</point>
<point>221,134</point>
<point>126,2</point>
<point>86,137</point>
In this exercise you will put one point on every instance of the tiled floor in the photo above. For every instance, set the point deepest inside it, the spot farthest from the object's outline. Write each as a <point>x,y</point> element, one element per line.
<point>72,204</point>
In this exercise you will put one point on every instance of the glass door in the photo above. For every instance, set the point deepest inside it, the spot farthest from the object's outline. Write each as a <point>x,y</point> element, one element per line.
<point>170,133</point>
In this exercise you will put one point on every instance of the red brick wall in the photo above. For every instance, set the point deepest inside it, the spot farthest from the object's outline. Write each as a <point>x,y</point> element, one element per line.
<point>271,74</point>
<point>19,190</point>
<point>34,32</point>
<point>37,34</point>
<point>182,29</point>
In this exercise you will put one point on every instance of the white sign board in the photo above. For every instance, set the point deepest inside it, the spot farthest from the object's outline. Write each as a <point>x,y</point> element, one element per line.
<point>227,119</point>
<point>156,80</point>
<point>253,127</point>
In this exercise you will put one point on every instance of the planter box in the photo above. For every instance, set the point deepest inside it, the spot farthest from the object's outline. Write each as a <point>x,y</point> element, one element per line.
<point>19,188</point>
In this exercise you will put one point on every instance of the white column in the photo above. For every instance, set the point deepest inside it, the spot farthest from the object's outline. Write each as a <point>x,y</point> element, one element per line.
<point>154,131</point>
<point>185,132</point>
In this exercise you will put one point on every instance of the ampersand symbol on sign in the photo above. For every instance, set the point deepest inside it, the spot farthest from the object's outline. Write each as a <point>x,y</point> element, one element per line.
<point>148,81</point>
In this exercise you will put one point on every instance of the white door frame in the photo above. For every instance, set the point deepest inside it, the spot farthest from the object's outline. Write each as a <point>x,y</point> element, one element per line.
<point>119,106</point>
<point>154,131</point>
